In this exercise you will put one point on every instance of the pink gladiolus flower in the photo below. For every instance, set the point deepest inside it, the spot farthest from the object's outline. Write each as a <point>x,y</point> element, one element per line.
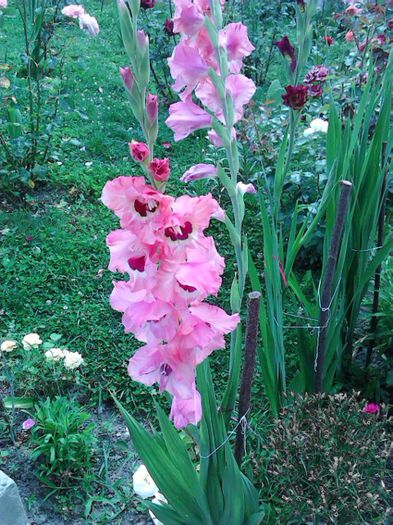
<point>28,424</point>
<point>3,4</point>
<point>199,171</point>
<point>172,268</point>
<point>239,86</point>
<point>160,169</point>
<point>216,140</point>
<point>73,11</point>
<point>235,38</point>
<point>127,252</point>
<point>89,23</point>
<point>188,18</point>
<point>152,107</point>
<point>186,117</point>
<point>350,37</point>
<point>128,77</point>
<point>139,151</point>
<point>139,207</point>
<point>372,408</point>
<point>186,411</point>
<point>187,67</point>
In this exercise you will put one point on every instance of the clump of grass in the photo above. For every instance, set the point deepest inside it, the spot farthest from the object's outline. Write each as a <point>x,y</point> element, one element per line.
<point>326,461</point>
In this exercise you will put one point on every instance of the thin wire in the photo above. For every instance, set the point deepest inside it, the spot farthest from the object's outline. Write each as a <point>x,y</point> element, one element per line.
<point>242,421</point>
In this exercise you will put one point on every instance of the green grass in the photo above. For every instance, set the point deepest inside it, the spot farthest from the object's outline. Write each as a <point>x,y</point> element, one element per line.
<point>53,255</point>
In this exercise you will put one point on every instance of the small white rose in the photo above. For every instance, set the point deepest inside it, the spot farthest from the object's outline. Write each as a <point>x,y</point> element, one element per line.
<point>32,340</point>
<point>143,483</point>
<point>8,346</point>
<point>317,125</point>
<point>72,360</point>
<point>54,354</point>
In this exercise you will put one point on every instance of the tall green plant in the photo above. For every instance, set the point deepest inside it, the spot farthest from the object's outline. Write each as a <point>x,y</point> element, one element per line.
<point>355,152</point>
<point>27,134</point>
<point>272,354</point>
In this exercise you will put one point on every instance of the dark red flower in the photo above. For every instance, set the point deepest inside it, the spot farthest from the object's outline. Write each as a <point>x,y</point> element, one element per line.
<point>168,26</point>
<point>148,4</point>
<point>316,90</point>
<point>288,50</point>
<point>329,40</point>
<point>296,96</point>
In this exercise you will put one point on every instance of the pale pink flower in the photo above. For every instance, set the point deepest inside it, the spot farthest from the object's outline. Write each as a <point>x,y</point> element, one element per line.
<point>235,38</point>
<point>372,408</point>
<point>350,37</point>
<point>199,171</point>
<point>197,210</point>
<point>73,11</point>
<point>28,424</point>
<point>186,411</point>
<point>195,268</point>
<point>3,4</point>
<point>188,18</point>
<point>139,151</point>
<point>187,67</point>
<point>165,365</point>
<point>89,23</point>
<point>139,206</point>
<point>187,117</point>
<point>239,86</point>
<point>216,140</point>
<point>127,252</point>
<point>137,300</point>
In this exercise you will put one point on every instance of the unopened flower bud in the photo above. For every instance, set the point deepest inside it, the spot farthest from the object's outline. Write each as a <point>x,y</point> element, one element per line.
<point>160,169</point>
<point>152,107</point>
<point>128,77</point>
<point>139,151</point>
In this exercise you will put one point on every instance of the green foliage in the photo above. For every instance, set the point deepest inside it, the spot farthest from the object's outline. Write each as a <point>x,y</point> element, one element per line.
<point>28,119</point>
<point>325,461</point>
<point>62,442</point>
<point>215,495</point>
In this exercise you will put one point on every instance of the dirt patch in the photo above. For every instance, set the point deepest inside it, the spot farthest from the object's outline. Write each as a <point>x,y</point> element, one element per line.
<point>109,498</point>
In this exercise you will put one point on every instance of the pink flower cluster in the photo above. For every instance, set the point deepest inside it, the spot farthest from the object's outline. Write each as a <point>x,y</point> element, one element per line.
<point>86,21</point>
<point>172,267</point>
<point>315,79</point>
<point>192,60</point>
